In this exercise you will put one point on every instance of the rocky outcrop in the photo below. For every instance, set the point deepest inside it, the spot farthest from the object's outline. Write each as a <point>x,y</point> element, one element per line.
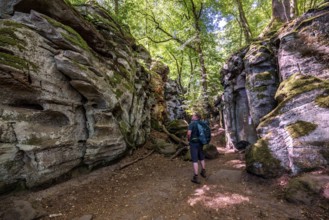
<point>75,90</point>
<point>159,75</point>
<point>174,100</point>
<point>276,98</point>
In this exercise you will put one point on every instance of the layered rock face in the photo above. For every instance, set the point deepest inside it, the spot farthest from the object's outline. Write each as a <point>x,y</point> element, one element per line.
<point>174,100</point>
<point>277,98</point>
<point>73,91</point>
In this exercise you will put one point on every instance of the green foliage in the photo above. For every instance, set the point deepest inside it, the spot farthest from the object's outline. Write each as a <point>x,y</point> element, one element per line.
<point>300,128</point>
<point>168,30</point>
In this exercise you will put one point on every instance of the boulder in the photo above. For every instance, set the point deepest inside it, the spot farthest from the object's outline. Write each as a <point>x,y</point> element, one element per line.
<point>164,147</point>
<point>210,151</point>
<point>307,188</point>
<point>22,210</point>
<point>178,127</point>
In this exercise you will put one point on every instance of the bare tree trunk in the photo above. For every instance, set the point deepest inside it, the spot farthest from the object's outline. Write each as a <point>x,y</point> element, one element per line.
<point>244,22</point>
<point>203,74</point>
<point>281,10</point>
<point>116,7</point>
<point>294,8</point>
<point>204,80</point>
<point>179,67</point>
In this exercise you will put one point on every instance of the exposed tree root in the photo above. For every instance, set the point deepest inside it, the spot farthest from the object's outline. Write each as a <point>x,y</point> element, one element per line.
<point>178,152</point>
<point>120,167</point>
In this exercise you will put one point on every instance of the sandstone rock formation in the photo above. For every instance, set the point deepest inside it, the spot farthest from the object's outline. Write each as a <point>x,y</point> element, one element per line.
<point>75,90</point>
<point>174,100</point>
<point>276,97</point>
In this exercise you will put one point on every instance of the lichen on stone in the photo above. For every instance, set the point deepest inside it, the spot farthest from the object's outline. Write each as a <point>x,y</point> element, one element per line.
<point>300,128</point>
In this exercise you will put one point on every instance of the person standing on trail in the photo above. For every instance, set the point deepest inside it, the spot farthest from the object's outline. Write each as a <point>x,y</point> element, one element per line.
<point>196,148</point>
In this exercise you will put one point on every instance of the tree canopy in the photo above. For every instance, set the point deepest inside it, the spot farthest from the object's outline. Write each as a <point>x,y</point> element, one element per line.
<point>195,37</point>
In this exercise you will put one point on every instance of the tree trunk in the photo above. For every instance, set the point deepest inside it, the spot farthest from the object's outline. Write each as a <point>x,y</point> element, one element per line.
<point>204,80</point>
<point>192,67</point>
<point>244,22</point>
<point>294,9</point>
<point>281,10</point>
<point>116,7</point>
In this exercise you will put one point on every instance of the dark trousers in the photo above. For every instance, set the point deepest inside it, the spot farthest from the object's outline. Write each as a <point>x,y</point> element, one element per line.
<point>196,150</point>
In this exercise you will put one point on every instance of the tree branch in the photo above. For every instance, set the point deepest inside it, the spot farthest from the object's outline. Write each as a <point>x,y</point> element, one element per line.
<point>158,27</point>
<point>159,41</point>
<point>174,137</point>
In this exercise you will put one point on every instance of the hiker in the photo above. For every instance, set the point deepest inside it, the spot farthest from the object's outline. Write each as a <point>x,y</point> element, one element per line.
<point>196,148</point>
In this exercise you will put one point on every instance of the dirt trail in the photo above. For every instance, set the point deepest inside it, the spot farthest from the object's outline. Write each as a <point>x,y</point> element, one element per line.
<point>157,188</point>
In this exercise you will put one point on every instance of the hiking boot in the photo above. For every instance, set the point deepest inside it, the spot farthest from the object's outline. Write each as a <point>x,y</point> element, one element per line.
<point>195,179</point>
<point>203,173</point>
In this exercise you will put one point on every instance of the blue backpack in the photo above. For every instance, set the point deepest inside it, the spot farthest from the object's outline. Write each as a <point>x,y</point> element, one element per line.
<point>204,132</point>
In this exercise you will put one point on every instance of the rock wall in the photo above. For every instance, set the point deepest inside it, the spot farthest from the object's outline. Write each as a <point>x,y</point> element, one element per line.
<point>75,90</point>
<point>174,100</point>
<point>276,97</point>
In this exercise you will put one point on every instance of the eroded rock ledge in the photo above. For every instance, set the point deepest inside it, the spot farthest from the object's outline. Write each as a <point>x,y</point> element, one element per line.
<point>75,90</point>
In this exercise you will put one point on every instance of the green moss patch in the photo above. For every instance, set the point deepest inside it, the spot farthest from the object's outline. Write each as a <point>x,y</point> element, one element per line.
<point>261,96</point>
<point>14,24</point>
<point>70,35</point>
<point>297,84</point>
<point>263,76</point>
<point>322,101</point>
<point>300,128</point>
<point>259,89</point>
<point>16,62</point>
<point>291,87</point>
<point>8,37</point>
<point>260,160</point>
<point>309,20</point>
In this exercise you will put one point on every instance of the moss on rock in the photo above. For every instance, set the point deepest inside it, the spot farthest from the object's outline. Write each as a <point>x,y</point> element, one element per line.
<point>291,87</point>
<point>261,162</point>
<point>14,24</point>
<point>9,37</point>
<point>300,128</point>
<point>322,101</point>
<point>16,62</point>
<point>259,89</point>
<point>71,35</point>
<point>297,84</point>
<point>310,20</point>
<point>263,76</point>
<point>261,96</point>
